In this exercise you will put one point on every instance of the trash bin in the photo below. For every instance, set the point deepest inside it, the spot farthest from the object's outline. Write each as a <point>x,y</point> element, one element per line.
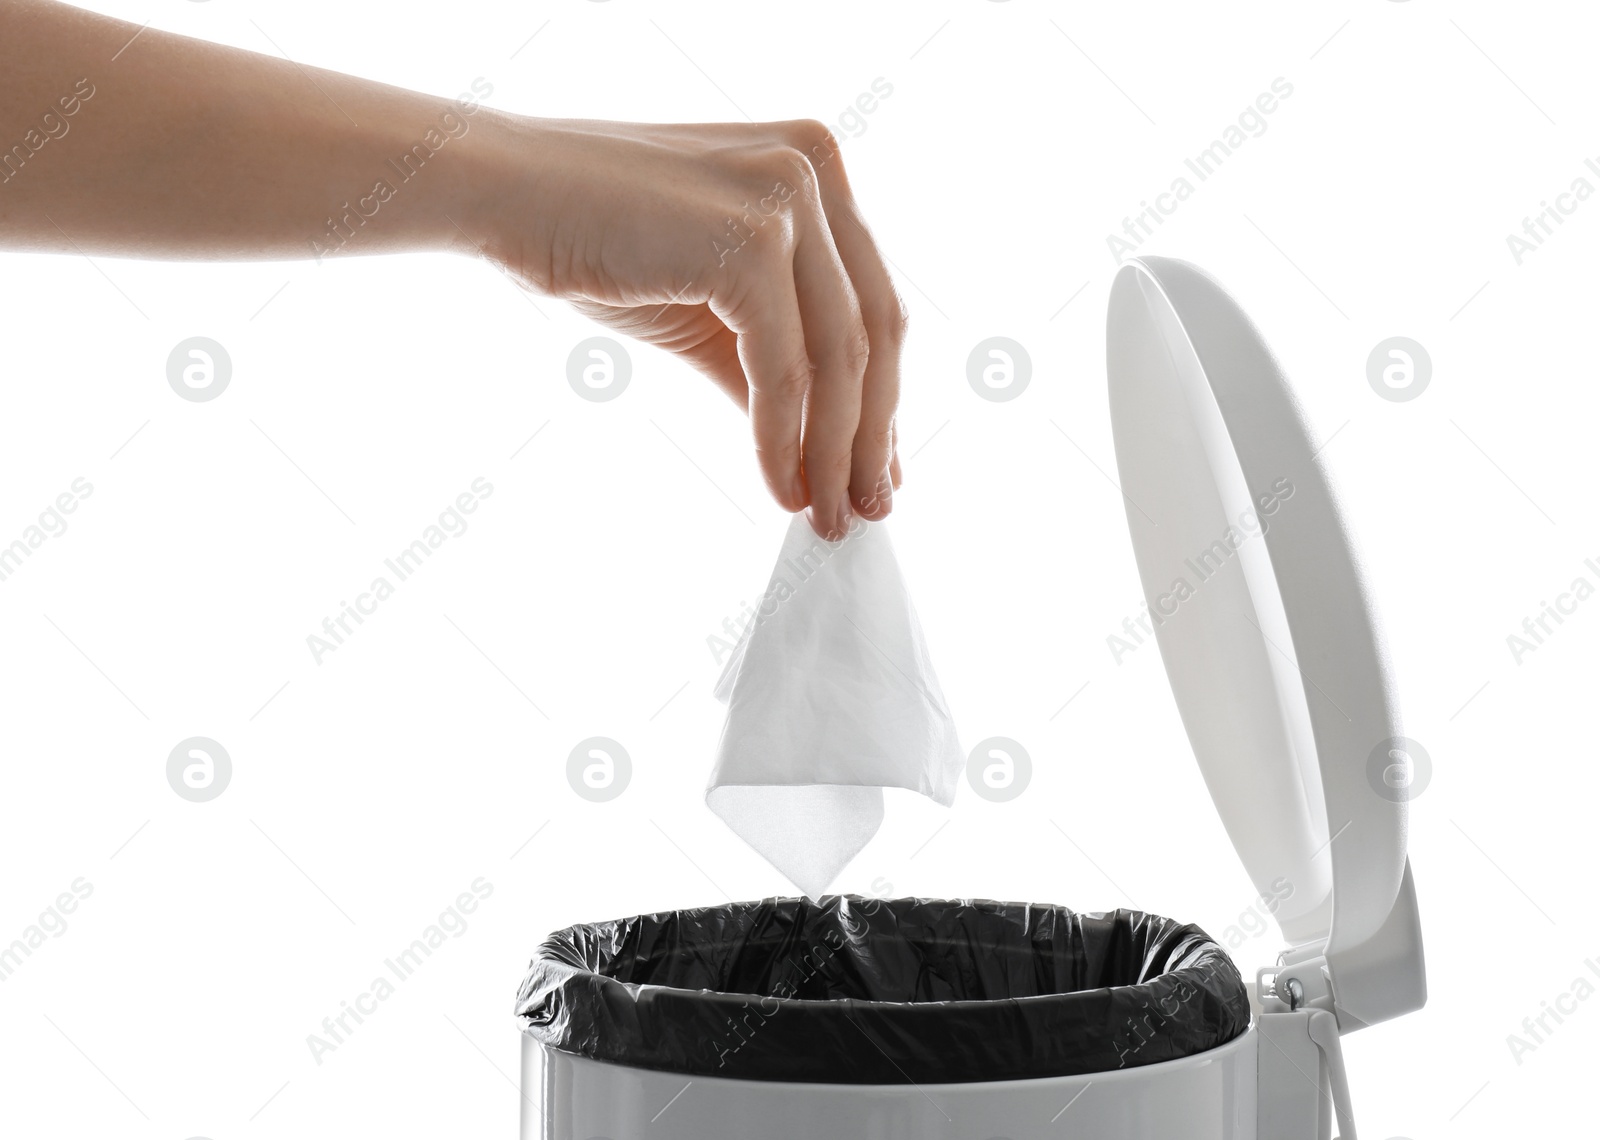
<point>902,1019</point>
<point>790,999</point>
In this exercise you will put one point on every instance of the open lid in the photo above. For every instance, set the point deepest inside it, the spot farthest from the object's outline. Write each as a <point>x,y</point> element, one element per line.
<point>1266,633</point>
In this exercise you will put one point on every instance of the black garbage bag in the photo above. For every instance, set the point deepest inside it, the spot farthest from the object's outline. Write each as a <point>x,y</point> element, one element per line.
<point>868,991</point>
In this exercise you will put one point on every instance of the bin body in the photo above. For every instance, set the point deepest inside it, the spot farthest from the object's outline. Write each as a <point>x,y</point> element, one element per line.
<point>1210,1096</point>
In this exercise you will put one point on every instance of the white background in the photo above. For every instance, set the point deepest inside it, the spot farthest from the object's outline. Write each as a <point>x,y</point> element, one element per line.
<point>369,791</point>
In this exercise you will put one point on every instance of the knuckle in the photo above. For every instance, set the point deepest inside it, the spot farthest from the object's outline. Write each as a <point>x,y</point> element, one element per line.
<point>812,137</point>
<point>888,317</point>
<point>900,318</point>
<point>855,350</point>
<point>791,382</point>
<point>875,439</point>
<point>791,172</point>
<point>766,181</point>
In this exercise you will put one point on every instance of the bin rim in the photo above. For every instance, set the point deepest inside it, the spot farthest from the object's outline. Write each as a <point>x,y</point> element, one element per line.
<point>592,991</point>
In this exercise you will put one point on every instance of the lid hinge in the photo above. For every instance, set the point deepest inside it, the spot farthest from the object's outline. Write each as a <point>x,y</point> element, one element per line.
<point>1288,986</point>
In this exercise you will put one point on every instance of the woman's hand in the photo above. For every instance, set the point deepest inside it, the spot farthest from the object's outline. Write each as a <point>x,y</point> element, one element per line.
<point>738,247</point>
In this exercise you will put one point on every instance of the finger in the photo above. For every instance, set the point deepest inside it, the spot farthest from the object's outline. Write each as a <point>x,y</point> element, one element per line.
<point>873,475</point>
<point>836,340</point>
<point>717,356</point>
<point>884,316</point>
<point>762,308</point>
<point>895,475</point>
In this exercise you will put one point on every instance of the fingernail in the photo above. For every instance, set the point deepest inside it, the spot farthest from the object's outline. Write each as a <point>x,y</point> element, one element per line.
<point>847,514</point>
<point>879,500</point>
<point>797,491</point>
<point>823,529</point>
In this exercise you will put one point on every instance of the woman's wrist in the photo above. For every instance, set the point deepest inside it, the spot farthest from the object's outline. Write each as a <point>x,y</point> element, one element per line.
<point>502,192</point>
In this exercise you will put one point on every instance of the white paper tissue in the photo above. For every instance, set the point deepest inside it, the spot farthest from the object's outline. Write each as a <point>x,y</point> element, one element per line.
<point>831,699</point>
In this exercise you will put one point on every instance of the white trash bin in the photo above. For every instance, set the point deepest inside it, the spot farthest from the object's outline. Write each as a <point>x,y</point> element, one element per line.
<point>970,1020</point>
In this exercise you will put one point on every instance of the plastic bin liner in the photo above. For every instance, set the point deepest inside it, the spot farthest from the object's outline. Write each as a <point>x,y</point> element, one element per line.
<point>867,991</point>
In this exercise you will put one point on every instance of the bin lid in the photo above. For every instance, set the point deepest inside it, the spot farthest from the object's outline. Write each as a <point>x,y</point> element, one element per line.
<point>1267,634</point>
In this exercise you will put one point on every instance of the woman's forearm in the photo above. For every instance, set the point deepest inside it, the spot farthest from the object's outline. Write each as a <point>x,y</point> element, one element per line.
<point>149,144</point>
